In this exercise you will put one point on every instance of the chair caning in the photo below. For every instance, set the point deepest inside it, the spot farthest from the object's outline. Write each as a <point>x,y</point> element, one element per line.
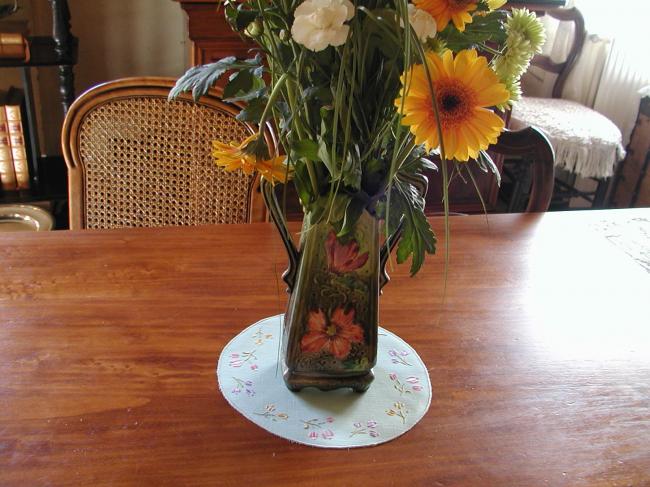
<point>147,162</point>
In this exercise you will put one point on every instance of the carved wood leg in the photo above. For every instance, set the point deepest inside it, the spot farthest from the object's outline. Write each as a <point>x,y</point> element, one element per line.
<point>66,87</point>
<point>65,47</point>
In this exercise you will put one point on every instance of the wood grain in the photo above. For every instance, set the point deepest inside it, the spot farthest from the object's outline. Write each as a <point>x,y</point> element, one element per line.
<point>539,359</point>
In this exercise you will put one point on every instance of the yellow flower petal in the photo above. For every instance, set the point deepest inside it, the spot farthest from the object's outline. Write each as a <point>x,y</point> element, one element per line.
<point>496,4</point>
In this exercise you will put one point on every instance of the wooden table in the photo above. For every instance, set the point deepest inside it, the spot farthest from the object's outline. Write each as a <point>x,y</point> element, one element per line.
<point>539,358</point>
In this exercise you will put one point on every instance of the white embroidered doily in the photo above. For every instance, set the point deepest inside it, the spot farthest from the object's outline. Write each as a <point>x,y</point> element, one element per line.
<point>251,381</point>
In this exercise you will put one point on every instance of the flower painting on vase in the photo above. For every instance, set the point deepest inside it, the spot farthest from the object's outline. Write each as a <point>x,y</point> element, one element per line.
<point>331,321</point>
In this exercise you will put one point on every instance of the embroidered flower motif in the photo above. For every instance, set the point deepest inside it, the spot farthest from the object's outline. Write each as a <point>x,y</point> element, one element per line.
<point>399,410</point>
<point>260,337</point>
<point>369,428</point>
<point>411,382</point>
<point>321,23</point>
<point>334,336</point>
<point>327,435</point>
<point>241,384</point>
<point>399,358</point>
<point>270,412</point>
<point>316,422</point>
<point>237,360</point>
<point>343,258</point>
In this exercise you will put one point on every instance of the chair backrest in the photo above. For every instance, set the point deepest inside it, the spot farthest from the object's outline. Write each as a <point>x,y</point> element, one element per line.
<point>531,142</point>
<point>136,159</point>
<point>563,69</point>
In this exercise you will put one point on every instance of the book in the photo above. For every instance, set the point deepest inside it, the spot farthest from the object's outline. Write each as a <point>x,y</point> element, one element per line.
<point>7,174</point>
<point>13,113</point>
<point>13,46</point>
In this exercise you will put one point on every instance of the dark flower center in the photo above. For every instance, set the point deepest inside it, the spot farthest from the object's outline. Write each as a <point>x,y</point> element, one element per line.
<point>456,102</point>
<point>450,102</point>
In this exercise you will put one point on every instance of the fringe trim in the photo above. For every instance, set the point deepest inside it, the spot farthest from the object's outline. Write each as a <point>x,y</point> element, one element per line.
<point>588,161</point>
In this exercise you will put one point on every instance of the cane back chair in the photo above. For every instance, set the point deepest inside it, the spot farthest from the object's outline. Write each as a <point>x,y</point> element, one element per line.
<point>136,159</point>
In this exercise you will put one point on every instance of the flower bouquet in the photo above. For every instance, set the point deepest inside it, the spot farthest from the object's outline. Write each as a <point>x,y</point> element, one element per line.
<point>365,95</point>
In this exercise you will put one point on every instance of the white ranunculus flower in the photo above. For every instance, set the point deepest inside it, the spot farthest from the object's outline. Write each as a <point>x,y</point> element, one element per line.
<point>321,23</point>
<point>423,23</point>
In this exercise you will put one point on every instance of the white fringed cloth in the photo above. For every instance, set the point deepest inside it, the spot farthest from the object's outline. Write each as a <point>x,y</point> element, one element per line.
<point>585,142</point>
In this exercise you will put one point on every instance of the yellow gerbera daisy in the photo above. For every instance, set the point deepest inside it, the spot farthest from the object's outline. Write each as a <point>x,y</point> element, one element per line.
<point>465,87</point>
<point>233,157</point>
<point>444,11</point>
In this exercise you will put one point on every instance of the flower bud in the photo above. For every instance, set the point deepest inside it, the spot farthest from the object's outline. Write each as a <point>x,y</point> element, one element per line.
<point>254,29</point>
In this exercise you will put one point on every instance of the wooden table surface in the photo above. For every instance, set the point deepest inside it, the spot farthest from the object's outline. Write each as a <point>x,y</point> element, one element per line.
<point>539,357</point>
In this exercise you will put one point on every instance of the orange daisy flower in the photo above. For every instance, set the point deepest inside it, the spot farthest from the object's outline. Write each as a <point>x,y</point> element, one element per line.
<point>444,11</point>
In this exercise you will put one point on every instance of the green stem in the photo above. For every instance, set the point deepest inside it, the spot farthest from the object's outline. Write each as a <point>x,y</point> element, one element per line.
<point>272,98</point>
<point>443,162</point>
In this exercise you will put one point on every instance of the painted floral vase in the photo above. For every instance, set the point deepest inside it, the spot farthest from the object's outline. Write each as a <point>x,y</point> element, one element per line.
<point>330,326</point>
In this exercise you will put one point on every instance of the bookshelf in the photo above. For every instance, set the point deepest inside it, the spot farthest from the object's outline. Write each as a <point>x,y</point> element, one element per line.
<point>47,174</point>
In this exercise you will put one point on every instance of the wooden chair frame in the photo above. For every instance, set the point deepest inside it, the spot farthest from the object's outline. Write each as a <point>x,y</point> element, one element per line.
<point>532,142</point>
<point>129,88</point>
<point>563,69</point>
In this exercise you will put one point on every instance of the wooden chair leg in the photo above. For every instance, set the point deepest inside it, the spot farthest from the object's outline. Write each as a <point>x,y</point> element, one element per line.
<point>602,193</point>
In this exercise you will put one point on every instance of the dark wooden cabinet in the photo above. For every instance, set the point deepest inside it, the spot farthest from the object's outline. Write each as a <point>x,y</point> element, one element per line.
<point>211,36</point>
<point>212,39</point>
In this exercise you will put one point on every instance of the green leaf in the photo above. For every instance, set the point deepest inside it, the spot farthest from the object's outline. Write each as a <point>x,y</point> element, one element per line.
<point>339,207</point>
<point>405,247</point>
<point>302,184</point>
<point>489,27</point>
<point>306,148</point>
<point>324,156</point>
<point>237,16</point>
<point>200,79</point>
<point>352,173</point>
<point>353,211</point>
<point>253,111</point>
<point>418,238</point>
<point>244,86</point>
